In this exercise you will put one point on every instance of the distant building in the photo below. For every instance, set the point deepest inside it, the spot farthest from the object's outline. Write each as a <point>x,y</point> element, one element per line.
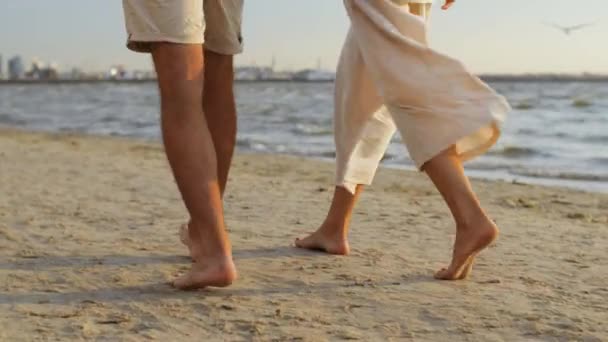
<point>15,68</point>
<point>76,74</point>
<point>143,75</point>
<point>253,73</point>
<point>35,69</point>
<point>49,73</point>
<point>117,72</point>
<point>314,75</point>
<point>1,68</point>
<point>39,71</point>
<point>282,75</point>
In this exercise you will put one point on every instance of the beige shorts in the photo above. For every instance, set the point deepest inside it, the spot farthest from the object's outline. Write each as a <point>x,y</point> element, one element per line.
<point>214,23</point>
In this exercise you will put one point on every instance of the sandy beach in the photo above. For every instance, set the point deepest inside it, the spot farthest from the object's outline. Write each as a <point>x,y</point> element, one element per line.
<point>88,243</point>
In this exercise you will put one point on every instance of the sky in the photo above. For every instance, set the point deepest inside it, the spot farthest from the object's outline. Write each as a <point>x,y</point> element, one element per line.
<point>490,36</point>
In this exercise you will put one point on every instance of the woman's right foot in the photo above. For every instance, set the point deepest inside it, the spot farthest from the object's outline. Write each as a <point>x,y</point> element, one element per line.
<point>470,241</point>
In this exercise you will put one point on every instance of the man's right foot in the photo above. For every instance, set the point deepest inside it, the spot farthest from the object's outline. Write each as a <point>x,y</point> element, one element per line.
<point>319,242</point>
<point>212,260</point>
<point>213,273</point>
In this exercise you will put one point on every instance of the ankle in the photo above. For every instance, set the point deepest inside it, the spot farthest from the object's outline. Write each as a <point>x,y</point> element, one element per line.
<point>474,223</point>
<point>470,217</point>
<point>211,243</point>
<point>334,235</point>
<point>334,231</point>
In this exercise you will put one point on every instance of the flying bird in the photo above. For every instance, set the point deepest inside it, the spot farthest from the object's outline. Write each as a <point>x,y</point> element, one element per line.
<point>567,30</point>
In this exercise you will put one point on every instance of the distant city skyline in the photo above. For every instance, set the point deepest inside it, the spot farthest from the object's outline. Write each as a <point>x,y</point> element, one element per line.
<point>29,61</point>
<point>497,37</point>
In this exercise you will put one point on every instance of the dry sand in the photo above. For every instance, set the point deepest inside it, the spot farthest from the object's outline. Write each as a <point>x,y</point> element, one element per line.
<point>88,240</point>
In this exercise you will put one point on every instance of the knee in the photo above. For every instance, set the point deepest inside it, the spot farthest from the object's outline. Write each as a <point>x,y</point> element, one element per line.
<point>184,95</point>
<point>180,73</point>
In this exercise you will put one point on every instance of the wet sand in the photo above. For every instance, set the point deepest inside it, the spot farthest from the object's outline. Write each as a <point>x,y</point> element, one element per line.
<point>88,242</point>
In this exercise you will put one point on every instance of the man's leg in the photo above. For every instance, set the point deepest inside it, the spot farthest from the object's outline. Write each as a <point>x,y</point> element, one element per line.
<point>222,41</point>
<point>191,154</point>
<point>474,230</point>
<point>220,110</point>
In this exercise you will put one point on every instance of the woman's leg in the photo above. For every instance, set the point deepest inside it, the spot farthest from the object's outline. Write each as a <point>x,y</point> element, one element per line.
<point>474,230</point>
<point>332,236</point>
<point>359,112</point>
<point>362,129</point>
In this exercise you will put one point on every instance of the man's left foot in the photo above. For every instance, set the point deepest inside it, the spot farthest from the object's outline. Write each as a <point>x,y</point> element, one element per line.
<point>219,272</point>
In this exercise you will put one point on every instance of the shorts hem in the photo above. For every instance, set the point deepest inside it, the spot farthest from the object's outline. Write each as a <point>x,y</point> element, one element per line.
<point>223,51</point>
<point>142,42</point>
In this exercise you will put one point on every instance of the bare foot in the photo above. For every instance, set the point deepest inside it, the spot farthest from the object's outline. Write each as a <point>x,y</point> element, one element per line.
<point>470,241</point>
<point>212,256</point>
<point>319,242</point>
<point>214,273</point>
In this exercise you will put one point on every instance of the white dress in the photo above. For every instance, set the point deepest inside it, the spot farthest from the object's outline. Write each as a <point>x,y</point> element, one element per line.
<point>388,78</point>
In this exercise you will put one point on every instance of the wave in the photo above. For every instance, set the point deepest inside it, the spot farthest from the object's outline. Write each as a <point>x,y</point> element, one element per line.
<point>596,139</point>
<point>579,176</point>
<point>516,152</point>
<point>600,160</point>
<point>581,103</point>
<point>527,131</point>
<point>10,120</point>
<point>249,144</point>
<point>524,106</point>
<point>303,129</point>
<point>328,154</point>
<point>110,118</point>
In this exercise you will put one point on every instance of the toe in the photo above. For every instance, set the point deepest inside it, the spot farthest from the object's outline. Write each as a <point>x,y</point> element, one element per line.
<point>445,274</point>
<point>187,282</point>
<point>440,274</point>
<point>181,282</point>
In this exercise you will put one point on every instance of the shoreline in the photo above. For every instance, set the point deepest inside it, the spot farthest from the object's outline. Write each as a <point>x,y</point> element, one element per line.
<point>477,174</point>
<point>138,81</point>
<point>486,78</point>
<point>88,242</point>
